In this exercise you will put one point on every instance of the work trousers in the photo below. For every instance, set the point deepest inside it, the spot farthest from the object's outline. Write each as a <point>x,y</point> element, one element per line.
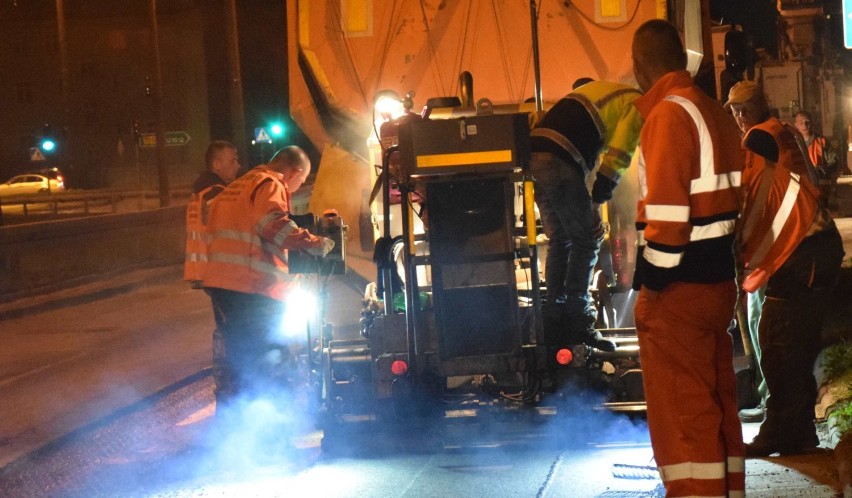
<point>566,210</point>
<point>686,354</point>
<point>754,302</point>
<point>797,298</point>
<point>249,361</point>
<point>218,349</point>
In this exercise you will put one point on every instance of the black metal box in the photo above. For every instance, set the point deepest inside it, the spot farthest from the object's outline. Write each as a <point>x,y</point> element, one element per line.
<point>494,143</point>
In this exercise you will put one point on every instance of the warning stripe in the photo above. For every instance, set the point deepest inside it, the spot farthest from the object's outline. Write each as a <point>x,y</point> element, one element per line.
<point>464,158</point>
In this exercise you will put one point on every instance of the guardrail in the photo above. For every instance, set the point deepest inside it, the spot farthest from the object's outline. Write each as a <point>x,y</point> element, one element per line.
<point>47,255</point>
<point>85,202</point>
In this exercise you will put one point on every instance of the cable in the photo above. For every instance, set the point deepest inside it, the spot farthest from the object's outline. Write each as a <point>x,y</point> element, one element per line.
<point>390,32</point>
<point>462,44</point>
<point>339,21</point>
<point>433,57</point>
<point>503,58</point>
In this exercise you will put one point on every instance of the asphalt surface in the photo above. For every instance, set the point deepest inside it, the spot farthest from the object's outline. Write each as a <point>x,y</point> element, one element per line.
<point>91,459</point>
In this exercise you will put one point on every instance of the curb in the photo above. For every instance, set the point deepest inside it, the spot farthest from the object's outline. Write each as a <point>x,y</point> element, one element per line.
<point>830,397</point>
<point>842,444</point>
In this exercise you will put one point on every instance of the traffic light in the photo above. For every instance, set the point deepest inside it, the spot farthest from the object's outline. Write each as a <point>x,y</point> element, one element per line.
<point>277,129</point>
<point>136,132</point>
<point>47,142</point>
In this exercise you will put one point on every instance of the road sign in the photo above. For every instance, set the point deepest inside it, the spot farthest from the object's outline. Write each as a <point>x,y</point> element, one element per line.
<point>173,139</point>
<point>261,135</point>
<point>35,154</point>
<point>847,23</point>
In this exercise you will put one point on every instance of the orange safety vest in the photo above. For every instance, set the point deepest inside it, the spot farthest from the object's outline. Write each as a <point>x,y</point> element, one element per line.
<point>780,206</point>
<point>827,173</point>
<point>197,211</point>
<point>250,232</point>
<point>815,151</point>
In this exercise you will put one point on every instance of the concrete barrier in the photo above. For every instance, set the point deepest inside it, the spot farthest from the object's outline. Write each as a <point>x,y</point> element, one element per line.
<point>41,257</point>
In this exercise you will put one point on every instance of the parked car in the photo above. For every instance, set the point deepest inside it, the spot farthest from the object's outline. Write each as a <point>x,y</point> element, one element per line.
<point>31,183</point>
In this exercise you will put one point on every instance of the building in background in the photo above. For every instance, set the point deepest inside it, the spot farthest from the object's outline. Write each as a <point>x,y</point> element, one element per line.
<point>110,76</point>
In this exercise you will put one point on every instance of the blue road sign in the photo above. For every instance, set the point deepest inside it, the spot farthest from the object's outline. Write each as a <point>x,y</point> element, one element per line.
<point>261,135</point>
<point>847,23</point>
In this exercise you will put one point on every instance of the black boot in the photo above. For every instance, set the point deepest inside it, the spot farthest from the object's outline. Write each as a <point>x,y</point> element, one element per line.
<point>597,341</point>
<point>581,325</point>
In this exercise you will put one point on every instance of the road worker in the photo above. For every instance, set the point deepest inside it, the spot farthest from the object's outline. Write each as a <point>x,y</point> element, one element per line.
<point>596,118</point>
<point>221,167</point>
<point>250,232</point>
<point>690,162</point>
<point>789,246</point>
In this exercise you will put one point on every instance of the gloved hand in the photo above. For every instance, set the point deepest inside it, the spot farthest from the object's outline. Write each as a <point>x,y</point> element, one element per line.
<point>325,247</point>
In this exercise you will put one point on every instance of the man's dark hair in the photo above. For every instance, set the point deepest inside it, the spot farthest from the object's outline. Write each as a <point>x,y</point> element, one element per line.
<point>214,148</point>
<point>580,82</point>
<point>660,46</point>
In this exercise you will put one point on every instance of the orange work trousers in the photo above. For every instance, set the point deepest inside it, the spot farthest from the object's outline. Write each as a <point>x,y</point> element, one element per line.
<point>686,354</point>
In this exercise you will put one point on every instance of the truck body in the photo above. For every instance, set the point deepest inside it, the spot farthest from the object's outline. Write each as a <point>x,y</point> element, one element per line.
<point>440,209</point>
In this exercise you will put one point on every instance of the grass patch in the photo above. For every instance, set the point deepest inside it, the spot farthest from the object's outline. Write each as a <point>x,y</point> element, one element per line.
<point>837,360</point>
<point>843,415</point>
<point>836,363</point>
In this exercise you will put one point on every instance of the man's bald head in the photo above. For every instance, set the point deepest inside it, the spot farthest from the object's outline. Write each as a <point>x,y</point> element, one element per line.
<point>657,50</point>
<point>293,163</point>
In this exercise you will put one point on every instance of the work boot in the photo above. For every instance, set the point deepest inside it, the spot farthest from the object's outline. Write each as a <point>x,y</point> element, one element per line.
<point>581,326</point>
<point>596,340</point>
<point>752,414</point>
<point>765,446</point>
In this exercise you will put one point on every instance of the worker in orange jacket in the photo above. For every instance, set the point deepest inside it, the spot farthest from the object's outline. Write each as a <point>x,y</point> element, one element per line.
<point>787,242</point>
<point>689,163</point>
<point>222,164</point>
<point>750,110</point>
<point>250,233</point>
<point>823,156</point>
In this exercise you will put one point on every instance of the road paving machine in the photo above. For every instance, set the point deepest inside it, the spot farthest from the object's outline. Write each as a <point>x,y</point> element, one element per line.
<point>452,328</point>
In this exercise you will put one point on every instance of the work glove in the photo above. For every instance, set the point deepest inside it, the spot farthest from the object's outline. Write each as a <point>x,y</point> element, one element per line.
<point>325,247</point>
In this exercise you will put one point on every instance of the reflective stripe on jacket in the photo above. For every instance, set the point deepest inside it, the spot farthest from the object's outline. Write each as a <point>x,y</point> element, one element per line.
<point>780,202</point>
<point>197,211</point>
<point>690,165</point>
<point>250,233</point>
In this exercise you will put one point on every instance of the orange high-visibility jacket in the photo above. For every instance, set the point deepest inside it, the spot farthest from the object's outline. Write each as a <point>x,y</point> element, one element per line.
<point>824,159</point>
<point>250,232</point>
<point>197,211</point>
<point>780,201</point>
<point>689,186</point>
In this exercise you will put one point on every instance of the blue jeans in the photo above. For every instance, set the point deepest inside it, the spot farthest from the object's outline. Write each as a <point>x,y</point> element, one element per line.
<point>567,215</point>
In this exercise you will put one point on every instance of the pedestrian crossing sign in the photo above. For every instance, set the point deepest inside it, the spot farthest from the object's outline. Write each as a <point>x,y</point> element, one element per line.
<point>261,135</point>
<point>36,155</point>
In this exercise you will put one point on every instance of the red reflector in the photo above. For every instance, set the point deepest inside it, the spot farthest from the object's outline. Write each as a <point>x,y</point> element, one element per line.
<point>564,356</point>
<point>399,367</point>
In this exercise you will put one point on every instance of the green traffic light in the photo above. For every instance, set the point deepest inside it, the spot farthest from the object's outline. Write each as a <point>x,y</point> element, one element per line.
<point>277,129</point>
<point>48,145</point>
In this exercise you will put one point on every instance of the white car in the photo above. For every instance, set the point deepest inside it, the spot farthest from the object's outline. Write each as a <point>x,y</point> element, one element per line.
<point>31,183</point>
